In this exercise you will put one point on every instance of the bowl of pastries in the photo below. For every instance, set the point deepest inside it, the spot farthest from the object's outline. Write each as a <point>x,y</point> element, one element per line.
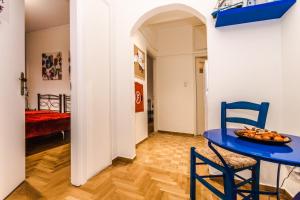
<point>263,136</point>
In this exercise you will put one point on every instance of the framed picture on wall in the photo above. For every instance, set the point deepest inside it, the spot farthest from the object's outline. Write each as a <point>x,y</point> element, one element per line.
<point>139,97</point>
<point>52,66</point>
<point>139,63</point>
<point>4,10</point>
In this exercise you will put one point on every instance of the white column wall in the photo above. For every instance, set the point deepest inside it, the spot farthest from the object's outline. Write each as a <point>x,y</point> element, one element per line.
<point>90,53</point>
<point>244,64</point>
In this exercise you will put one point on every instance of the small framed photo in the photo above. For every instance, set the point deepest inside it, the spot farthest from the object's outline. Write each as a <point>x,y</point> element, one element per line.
<point>4,10</point>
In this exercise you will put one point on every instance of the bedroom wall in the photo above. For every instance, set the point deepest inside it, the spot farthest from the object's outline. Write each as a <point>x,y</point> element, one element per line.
<point>56,39</point>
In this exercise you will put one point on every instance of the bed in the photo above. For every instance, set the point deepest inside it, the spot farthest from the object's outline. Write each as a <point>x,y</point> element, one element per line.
<point>67,103</point>
<point>41,123</point>
<point>48,119</point>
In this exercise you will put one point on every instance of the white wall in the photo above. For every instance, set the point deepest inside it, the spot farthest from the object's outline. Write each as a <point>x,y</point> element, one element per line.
<point>12,104</point>
<point>56,39</point>
<point>291,81</point>
<point>91,72</point>
<point>175,78</point>
<point>141,118</point>
<point>244,61</point>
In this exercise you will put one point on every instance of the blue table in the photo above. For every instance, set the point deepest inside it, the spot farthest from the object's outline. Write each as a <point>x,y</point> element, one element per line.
<point>288,154</point>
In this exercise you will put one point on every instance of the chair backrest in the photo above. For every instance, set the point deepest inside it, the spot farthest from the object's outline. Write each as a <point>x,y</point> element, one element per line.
<point>261,108</point>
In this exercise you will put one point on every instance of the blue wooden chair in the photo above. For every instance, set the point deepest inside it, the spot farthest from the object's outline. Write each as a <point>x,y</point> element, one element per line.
<point>229,163</point>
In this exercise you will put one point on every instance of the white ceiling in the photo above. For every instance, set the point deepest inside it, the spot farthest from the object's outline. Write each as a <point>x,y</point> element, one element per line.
<point>42,14</point>
<point>169,16</point>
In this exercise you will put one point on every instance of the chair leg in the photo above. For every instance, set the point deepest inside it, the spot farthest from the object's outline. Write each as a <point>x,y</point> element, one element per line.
<point>255,182</point>
<point>229,186</point>
<point>225,185</point>
<point>193,175</point>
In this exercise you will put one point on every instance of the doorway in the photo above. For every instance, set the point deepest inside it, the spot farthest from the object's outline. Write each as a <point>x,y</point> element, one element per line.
<point>173,39</point>
<point>200,94</point>
<point>47,92</point>
<point>150,93</point>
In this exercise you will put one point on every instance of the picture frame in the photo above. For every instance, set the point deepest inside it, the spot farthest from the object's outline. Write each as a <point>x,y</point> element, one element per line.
<point>52,66</point>
<point>139,97</point>
<point>139,63</point>
<point>4,10</point>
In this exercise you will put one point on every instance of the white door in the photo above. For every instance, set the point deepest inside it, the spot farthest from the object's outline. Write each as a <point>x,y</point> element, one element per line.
<point>200,83</point>
<point>12,104</point>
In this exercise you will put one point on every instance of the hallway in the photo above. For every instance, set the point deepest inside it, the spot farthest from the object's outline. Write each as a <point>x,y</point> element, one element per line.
<point>160,171</point>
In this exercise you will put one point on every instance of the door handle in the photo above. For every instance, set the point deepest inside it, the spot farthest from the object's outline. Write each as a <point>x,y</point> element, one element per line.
<point>23,81</point>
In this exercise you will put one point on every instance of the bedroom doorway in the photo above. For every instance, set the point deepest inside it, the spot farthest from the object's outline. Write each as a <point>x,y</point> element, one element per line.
<point>47,90</point>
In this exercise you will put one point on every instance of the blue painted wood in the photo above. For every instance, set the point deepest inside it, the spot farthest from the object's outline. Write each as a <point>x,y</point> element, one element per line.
<point>243,105</point>
<point>297,197</point>
<point>241,120</point>
<point>261,12</point>
<point>230,188</point>
<point>193,175</point>
<point>288,154</point>
<point>255,184</point>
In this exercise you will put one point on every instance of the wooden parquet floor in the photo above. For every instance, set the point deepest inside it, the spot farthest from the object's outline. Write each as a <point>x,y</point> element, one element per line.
<point>160,172</point>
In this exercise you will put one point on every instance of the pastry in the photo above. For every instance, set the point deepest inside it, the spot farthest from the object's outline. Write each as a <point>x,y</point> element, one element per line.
<point>263,135</point>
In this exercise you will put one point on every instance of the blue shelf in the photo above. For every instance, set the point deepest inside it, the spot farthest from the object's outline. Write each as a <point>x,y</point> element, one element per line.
<point>261,12</point>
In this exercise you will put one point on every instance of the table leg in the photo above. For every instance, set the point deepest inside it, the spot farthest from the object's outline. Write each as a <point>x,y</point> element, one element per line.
<point>255,183</point>
<point>277,182</point>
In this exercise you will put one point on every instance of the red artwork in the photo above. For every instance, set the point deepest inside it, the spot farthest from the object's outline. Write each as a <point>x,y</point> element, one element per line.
<point>139,97</point>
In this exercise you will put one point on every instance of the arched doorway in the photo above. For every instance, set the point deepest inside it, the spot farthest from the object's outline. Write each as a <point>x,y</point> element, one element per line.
<point>129,17</point>
<point>165,8</point>
<point>142,34</point>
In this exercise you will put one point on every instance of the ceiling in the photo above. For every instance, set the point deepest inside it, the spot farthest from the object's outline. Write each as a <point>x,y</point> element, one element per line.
<point>43,14</point>
<point>169,16</point>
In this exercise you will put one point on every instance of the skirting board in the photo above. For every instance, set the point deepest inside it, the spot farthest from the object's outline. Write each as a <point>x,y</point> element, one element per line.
<point>177,133</point>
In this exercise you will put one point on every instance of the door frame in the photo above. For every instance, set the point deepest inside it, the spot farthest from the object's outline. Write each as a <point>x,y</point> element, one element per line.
<point>77,139</point>
<point>78,122</point>
<point>205,72</point>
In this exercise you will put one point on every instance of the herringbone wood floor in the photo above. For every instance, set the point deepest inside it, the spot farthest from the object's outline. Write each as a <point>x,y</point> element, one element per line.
<point>160,171</point>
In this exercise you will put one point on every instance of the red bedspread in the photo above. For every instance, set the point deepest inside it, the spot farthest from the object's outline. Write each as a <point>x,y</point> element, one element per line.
<point>40,123</point>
